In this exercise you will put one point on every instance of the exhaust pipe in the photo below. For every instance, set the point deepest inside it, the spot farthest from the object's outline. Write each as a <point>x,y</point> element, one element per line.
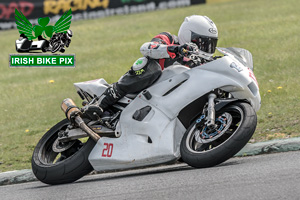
<point>73,114</point>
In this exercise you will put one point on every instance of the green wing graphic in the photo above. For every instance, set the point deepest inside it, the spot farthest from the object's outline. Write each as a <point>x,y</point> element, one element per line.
<point>24,25</point>
<point>64,23</point>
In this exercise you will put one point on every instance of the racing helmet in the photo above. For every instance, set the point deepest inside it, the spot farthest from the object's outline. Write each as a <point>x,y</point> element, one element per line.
<point>200,30</point>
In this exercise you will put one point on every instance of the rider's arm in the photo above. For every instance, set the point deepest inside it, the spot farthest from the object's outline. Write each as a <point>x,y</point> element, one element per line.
<point>161,46</point>
<point>156,51</point>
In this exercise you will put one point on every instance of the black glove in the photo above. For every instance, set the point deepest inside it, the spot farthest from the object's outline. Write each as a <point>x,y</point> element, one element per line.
<point>186,49</point>
<point>183,50</point>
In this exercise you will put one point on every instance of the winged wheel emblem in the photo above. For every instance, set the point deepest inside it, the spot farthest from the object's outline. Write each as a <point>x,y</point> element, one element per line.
<point>50,38</point>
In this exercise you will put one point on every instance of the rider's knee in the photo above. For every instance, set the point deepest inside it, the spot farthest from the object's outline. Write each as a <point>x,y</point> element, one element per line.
<point>139,66</point>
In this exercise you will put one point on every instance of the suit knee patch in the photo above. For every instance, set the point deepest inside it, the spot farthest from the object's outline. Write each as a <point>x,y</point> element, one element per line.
<point>139,64</point>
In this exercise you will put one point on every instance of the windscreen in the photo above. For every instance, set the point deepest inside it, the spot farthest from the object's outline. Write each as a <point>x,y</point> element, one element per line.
<point>242,55</point>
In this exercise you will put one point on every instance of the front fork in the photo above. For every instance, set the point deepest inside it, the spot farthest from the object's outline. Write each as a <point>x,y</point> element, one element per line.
<point>211,113</point>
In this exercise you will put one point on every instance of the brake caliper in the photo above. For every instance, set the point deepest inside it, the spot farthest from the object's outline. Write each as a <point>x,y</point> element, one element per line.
<point>200,122</point>
<point>206,133</point>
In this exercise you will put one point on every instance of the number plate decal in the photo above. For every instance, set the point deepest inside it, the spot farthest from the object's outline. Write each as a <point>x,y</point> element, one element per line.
<point>108,150</point>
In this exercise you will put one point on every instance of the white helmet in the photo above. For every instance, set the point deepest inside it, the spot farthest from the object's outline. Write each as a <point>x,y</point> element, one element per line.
<point>200,30</point>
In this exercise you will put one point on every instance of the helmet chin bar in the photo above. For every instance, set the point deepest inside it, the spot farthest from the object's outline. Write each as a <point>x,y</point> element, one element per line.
<point>205,43</point>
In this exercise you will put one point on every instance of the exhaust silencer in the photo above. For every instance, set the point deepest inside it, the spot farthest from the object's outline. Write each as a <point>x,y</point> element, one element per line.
<point>70,108</point>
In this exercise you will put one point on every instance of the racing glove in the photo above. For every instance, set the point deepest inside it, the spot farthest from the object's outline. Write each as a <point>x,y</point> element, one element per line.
<point>183,50</point>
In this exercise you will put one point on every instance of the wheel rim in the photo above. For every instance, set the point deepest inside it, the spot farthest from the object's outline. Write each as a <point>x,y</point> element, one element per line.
<point>49,152</point>
<point>196,144</point>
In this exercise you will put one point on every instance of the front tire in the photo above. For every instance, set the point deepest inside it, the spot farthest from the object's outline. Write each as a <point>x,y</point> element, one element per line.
<point>209,152</point>
<point>57,168</point>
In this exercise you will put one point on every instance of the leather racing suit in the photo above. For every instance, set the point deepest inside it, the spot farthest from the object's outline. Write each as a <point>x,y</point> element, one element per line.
<point>160,53</point>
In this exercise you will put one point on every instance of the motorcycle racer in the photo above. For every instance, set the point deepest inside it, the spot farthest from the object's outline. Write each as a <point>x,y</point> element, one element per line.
<point>59,41</point>
<point>195,33</point>
<point>202,115</point>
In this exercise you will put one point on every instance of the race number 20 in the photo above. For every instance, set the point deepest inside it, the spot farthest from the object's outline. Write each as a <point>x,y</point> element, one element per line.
<point>108,149</point>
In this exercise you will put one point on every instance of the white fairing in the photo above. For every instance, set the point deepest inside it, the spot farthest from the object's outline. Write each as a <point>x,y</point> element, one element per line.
<point>93,87</point>
<point>156,139</point>
<point>138,144</point>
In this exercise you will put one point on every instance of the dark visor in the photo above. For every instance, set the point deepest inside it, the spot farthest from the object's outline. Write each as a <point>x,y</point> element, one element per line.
<point>205,43</point>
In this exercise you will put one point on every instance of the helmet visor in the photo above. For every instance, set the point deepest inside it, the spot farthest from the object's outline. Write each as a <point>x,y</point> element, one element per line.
<point>206,44</point>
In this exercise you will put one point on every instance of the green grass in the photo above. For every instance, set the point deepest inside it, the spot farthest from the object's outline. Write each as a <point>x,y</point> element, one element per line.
<point>108,47</point>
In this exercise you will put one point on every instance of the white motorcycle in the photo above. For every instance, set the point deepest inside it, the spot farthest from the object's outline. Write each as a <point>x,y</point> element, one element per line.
<point>201,116</point>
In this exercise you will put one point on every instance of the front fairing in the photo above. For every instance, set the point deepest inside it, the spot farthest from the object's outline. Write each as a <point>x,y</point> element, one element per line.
<point>242,55</point>
<point>235,73</point>
<point>174,93</point>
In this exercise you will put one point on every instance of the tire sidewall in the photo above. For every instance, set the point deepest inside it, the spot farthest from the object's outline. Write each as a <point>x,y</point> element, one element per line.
<point>228,148</point>
<point>70,169</point>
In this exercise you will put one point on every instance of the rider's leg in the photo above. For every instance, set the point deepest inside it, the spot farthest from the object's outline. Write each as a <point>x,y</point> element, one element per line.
<point>142,74</point>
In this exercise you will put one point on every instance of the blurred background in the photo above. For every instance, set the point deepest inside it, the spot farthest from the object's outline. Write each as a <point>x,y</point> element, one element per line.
<point>107,38</point>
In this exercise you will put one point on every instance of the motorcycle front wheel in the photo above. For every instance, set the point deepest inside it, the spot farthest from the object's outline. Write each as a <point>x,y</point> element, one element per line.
<point>54,163</point>
<point>201,147</point>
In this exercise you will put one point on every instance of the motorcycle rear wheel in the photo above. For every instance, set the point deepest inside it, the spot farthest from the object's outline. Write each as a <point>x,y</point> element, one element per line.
<point>242,126</point>
<point>68,166</point>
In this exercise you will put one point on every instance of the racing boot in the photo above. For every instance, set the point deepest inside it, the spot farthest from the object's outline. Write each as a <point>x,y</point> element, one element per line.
<point>111,95</point>
<point>98,109</point>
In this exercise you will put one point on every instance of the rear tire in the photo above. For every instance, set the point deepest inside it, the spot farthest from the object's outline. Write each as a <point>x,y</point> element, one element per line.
<point>242,127</point>
<point>53,168</point>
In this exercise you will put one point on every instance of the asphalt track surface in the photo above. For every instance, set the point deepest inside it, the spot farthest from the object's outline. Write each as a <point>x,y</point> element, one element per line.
<point>273,176</point>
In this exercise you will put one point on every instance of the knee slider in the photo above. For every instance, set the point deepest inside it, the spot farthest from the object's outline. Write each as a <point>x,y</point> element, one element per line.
<point>139,66</point>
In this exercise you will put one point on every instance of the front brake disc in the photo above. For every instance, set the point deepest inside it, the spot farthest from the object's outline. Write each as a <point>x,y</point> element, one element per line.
<point>203,136</point>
